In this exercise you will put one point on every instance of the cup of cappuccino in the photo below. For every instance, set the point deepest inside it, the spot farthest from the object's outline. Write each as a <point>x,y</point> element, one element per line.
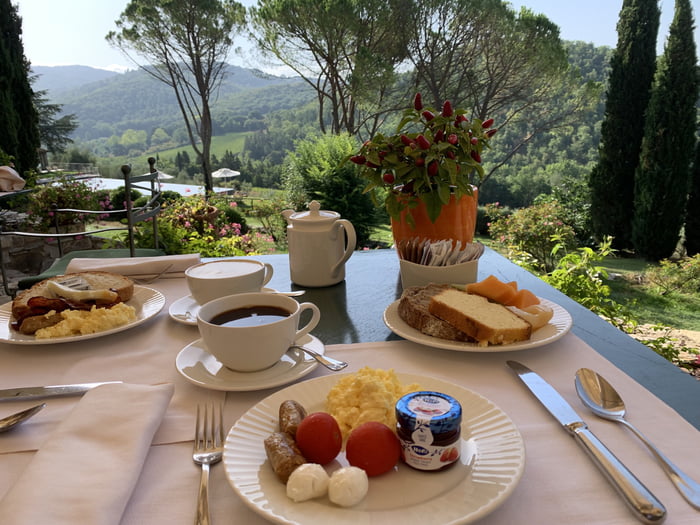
<point>214,279</point>
<point>248,332</point>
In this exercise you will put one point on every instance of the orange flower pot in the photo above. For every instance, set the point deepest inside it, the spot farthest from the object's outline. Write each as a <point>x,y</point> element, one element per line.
<point>457,221</point>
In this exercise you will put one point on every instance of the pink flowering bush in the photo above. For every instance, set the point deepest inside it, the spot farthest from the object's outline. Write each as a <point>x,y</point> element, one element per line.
<point>63,193</point>
<point>212,228</point>
<point>533,233</point>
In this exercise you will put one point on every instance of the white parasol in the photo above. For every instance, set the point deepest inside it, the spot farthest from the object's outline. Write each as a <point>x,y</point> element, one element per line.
<point>225,173</point>
<point>162,175</point>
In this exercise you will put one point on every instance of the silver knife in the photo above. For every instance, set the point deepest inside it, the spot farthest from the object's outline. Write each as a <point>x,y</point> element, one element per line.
<point>645,505</point>
<point>38,392</point>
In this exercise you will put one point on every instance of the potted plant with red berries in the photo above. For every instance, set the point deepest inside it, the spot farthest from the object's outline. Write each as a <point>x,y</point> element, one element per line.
<point>425,172</point>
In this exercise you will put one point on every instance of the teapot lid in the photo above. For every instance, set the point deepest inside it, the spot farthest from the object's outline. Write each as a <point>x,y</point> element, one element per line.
<point>315,214</point>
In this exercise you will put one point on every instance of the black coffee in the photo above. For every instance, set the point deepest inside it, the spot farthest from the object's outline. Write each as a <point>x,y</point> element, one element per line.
<point>250,316</point>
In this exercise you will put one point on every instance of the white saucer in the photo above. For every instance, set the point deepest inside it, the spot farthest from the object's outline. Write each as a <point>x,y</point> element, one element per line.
<point>201,368</point>
<point>185,309</point>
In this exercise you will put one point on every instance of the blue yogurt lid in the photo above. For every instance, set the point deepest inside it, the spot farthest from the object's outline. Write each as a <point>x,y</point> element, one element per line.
<point>441,412</point>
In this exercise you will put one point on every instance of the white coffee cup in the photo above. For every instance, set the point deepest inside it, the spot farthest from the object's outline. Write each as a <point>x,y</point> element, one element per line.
<point>214,279</point>
<point>255,346</point>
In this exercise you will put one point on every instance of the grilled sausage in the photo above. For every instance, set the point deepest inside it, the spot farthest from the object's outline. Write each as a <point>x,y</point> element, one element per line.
<point>290,415</point>
<point>284,455</point>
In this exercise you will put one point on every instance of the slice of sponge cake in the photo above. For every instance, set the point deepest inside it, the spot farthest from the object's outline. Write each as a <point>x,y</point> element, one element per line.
<point>486,322</point>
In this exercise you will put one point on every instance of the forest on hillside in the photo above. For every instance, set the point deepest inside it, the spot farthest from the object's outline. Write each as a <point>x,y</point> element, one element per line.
<point>130,115</point>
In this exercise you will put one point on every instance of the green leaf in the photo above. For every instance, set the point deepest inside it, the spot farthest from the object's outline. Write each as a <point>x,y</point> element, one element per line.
<point>433,204</point>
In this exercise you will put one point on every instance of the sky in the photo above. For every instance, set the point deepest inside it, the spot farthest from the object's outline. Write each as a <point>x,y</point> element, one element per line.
<point>72,32</point>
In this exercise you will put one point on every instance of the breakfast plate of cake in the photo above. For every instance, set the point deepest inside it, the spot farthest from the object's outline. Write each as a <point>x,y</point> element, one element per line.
<point>458,318</point>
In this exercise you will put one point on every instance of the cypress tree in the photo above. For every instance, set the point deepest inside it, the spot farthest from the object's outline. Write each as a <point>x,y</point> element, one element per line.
<point>692,221</point>
<point>663,176</point>
<point>629,85</point>
<point>19,132</point>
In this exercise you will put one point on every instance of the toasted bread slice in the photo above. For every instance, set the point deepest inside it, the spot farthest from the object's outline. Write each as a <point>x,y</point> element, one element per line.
<point>413,309</point>
<point>485,321</point>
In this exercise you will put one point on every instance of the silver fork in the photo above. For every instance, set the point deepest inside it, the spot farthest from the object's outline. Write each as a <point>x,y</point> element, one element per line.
<point>208,449</point>
<point>78,283</point>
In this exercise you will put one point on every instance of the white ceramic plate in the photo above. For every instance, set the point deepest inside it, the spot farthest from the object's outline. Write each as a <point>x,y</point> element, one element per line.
<point>492,463</point>
<point>201,368</point>
<point>557,327</point>
<point>185,309</point>
<point>147,302</point>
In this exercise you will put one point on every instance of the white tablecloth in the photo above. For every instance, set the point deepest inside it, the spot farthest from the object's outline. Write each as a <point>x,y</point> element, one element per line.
<point>559,485</point>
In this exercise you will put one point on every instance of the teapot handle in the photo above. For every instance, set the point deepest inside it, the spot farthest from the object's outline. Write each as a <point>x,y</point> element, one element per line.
<point>345,224</point>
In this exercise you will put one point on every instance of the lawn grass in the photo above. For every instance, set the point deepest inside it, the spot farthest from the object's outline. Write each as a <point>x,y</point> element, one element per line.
<point>675,310</point>
<point>232,142</point>
<point>649,304</point>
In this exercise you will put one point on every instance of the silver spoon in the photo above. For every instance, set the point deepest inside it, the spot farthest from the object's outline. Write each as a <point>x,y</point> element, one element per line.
<point>328,362</point>
<point>13,420</point>
<point>599,395</point>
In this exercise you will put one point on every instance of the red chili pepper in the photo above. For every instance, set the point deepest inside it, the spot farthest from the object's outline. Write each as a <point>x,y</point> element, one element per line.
<point>420,161</point>
<point>447,109</point>
<point>422,142</point>
<point>490,133</point>
<point>487,123</point>
<point>372,165</point>
<point>450,154</point>
<point>428,115</point>
<point>418,102</point>
<point>358,159</point>
<point>389,178</point>
<point>433,168</point>
<point>439,136</point>
<point>453,139</point>
<point>406,139</point>
<point>476,156</point>
<point>474,141</point>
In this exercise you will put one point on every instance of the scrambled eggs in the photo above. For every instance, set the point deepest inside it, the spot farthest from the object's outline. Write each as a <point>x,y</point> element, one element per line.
<point>81,322</point>
<point>367,395</point>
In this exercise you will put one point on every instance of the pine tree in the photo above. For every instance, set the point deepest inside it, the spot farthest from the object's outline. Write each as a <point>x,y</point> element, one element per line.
<point>663,176</point>
<point>629,86</point>
<point>692,221</point>
<point>19,132</point>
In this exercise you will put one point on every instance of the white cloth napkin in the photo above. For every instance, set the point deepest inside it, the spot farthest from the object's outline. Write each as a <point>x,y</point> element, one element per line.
<point>137,267</point>
<point>87,469</point>
<point>10,179</point>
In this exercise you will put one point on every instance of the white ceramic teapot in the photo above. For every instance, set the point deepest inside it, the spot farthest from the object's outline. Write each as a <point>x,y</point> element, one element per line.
<point>320,243</point>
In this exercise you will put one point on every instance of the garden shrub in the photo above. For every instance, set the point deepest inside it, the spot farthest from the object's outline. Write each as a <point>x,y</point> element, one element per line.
<point>63,193</point>
<point>316,171</point>
<point>578,276</point>
<point>197,225</point>
<point>269,213</point>
<point>534,230</point>
<point>573,196</point>
<point>118,199</point>
<point>682,276</point>
<point>170,196</point>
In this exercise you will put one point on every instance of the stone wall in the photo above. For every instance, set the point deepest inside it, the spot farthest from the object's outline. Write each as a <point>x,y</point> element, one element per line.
<point>33,255</point>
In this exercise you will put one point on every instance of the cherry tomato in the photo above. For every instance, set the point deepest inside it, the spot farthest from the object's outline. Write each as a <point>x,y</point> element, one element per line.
<point>373,447</point>
<point>319,438</point>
